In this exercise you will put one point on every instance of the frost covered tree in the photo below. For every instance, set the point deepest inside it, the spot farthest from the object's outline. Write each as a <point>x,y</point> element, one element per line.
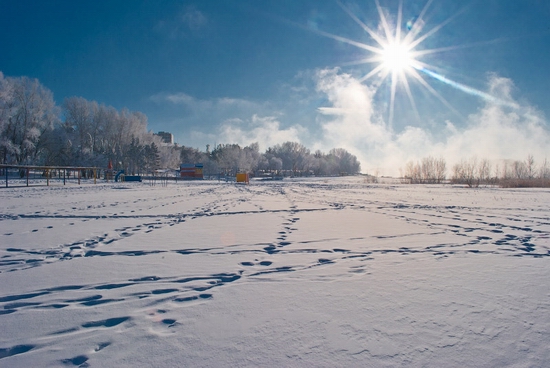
<point>227,157</point>
<point>250,157</point>
<point>33,131</point>
<point>190,155</point>
<point>81,123</point>
<point>27,111</point>
<point>6,109</point>
<point>231,158</point>
<point>58,150</point>
<point>105,126</point>
<point>297,159</point>
<point>345,161</point>
<point>152,157</point>
<point>135,156</point>
<point>170,157</point>
<point>294,155</point>
<point>97,133</point>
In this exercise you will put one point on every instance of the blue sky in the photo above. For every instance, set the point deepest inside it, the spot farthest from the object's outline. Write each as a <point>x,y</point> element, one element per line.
<point>224,71</point>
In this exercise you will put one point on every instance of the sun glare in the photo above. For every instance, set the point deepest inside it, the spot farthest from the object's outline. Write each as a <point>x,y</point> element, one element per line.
<point>396,57</point>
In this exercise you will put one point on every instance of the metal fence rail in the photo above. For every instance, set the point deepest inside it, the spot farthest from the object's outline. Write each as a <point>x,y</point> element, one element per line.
<point>25,175</point>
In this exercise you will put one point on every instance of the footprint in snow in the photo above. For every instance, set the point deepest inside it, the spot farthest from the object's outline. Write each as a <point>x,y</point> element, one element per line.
<point>79,361</point>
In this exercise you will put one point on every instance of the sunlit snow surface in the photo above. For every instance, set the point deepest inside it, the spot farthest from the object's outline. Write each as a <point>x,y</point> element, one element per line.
<point>313,273</point>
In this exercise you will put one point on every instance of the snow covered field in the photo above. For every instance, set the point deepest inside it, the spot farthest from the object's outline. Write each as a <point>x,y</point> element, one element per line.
<point>305,273</point>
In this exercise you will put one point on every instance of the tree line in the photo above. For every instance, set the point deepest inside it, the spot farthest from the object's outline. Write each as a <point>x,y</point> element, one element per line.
<point>36,131</point>
<point>474,172</point>
<point>288,159</point>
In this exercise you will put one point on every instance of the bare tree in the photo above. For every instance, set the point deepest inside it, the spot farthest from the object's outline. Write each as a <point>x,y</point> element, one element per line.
<point>520,169</point>
<point>440,170</point>
<point>544,169</point>
<point>465,173</point>
<point>429,171</point>
<point>409,171</point>
<point>484,171</point>
<point>530,168</point>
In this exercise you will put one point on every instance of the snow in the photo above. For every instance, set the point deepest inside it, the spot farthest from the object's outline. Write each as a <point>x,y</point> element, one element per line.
<point>313,272</point>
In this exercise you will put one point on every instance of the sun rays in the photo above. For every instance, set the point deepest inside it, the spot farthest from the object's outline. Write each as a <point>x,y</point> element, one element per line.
<point>396,55</point>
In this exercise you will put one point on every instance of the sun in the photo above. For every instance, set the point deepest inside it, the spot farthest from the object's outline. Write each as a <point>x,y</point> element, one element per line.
<point>397,57</point>
<point>395,54</point>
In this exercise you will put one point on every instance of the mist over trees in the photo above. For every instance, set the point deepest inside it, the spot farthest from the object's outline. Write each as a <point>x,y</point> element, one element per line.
<point>35,131</point>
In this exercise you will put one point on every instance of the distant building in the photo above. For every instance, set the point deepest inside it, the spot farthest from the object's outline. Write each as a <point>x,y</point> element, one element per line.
<point>166,137</point>
<point>191,171</point>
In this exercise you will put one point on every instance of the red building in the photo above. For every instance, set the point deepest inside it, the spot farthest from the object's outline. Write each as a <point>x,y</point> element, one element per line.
<point>191,171</point>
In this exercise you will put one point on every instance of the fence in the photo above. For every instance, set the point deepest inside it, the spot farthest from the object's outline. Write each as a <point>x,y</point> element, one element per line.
<point>24,175</point>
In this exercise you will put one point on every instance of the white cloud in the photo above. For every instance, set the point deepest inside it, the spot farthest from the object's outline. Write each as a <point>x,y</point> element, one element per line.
<point>196,105</point>
<point>495,132</point>
<point>193,18</point>
<point>180,98</point>
<point>185,21</point>
<point>225,120</point>
<point>500,87</point>
<point>266,131</point>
